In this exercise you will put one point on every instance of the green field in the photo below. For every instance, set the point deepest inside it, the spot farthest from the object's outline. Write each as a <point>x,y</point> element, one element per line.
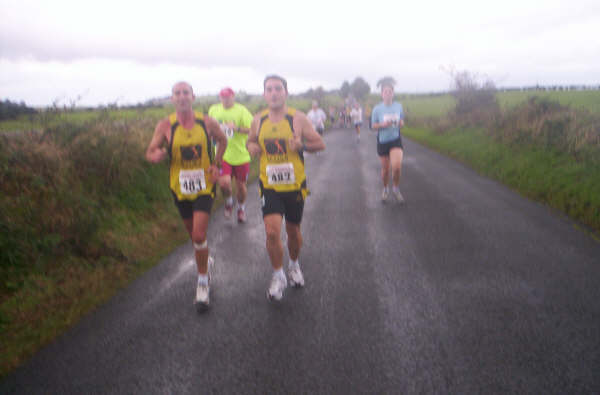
<point>52,118</point>
<point>589,100</point>
<point>438,105</point>
<point>427,106</point>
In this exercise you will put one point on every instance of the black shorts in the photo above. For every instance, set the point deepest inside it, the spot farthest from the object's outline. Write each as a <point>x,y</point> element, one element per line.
<point>320,130</point>
<point>384,149</point>
<point>187,207</point>
<point>289,204</point>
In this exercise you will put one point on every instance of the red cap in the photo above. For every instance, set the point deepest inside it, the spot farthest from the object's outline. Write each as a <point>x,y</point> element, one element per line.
<point>226,92</point>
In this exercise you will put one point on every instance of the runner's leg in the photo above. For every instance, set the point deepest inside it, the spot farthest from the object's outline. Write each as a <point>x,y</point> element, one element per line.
<point>396,155</point>
<point>294,239</point>
<point>199,230</point>
<point>274,246</point>
<point>385,170</point>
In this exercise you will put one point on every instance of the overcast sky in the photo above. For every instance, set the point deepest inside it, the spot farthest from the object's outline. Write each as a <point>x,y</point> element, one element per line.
<point>101,52</point>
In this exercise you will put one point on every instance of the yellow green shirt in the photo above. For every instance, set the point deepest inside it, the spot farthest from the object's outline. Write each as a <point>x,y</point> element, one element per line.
<point>236,152</point>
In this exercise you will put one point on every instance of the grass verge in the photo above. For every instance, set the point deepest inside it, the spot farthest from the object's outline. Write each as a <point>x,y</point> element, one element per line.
<point>554,178</point>
<point>51,302</point>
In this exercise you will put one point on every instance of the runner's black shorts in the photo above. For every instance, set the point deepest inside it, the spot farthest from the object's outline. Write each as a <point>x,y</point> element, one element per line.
<point>384,149</point>
<point>289,204</point>
<point>187,207</point>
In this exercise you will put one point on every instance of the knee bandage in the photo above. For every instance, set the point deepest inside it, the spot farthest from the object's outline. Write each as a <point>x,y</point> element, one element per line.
<point>201,246</point>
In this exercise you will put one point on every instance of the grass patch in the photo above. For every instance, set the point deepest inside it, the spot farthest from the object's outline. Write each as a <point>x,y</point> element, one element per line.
<point>50,302</point>
<point>427,105</point>
<point>554,178</point>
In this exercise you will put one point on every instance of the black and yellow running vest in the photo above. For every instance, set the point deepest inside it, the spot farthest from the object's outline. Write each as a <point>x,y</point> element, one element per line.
<point>191,154</point>
<point>281,169</point>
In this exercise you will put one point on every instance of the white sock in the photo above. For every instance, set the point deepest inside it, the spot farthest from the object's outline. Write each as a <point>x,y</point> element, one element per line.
<point>230,201</point>
<point>279,273</point>
<point>242,206</point>
<point>294,264</point>
<point>396,188</point>
<point>202,279</point>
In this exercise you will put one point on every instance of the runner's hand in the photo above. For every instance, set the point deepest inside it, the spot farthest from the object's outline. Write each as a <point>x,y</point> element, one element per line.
<point>295,143</point>
<point>157,155</point>
<point>213,173</point>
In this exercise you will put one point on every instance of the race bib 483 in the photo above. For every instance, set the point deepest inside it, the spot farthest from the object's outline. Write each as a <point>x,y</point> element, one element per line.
<point>191,181</point>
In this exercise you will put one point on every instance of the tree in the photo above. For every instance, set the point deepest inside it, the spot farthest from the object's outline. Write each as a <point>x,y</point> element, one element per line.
<point>345,89</point>
<point>316,94</point>
<point>360,88</point>
<point>473,93</point>
<point>10,110</point>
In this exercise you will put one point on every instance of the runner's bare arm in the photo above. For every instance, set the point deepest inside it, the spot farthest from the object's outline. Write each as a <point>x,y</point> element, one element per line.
<point>155,151</point>
<point>306,136</point>
<point>243,130</point>
<point>215,132</point>
<point>252,144</point>
<point>238,129</point>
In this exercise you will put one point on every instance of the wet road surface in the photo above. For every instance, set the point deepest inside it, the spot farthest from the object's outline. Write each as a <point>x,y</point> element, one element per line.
<point>467,288</point>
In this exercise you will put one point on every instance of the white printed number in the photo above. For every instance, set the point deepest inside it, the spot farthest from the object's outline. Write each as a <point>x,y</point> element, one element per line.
<point>281,174</point>
<point>393,118</point>
<point>191,181</point>
<point>227,130</point>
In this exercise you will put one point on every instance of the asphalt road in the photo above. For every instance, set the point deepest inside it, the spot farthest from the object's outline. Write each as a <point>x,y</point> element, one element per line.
<point>468,288</point>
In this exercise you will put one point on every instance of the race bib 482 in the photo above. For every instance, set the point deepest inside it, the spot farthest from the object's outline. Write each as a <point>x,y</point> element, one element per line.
<point>281,174</point>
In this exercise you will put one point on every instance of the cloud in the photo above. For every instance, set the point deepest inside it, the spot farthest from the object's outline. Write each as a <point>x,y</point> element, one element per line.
<point>314,44</point>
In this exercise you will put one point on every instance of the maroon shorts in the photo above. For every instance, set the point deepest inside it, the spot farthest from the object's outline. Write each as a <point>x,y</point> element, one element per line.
<point>240,172</point>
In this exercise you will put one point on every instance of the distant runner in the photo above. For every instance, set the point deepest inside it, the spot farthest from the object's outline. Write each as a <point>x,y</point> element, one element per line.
<point>185,138</point>
<point>388,118</point>
<point>356,115</point>
<point>317,117</point>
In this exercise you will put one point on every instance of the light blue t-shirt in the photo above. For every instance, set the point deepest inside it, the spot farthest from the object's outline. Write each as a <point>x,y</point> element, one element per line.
<point>382,113</point>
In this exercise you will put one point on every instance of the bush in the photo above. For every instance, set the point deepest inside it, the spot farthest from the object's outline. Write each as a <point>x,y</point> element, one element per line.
<point>547,123</point>
<point>61,186</point>
<point>476,102</point>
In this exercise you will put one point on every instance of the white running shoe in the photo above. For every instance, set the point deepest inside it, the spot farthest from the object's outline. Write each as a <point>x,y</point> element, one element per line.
<point>278,285</point>
<point>202,297</point>
<point>228,210</point>
<point>241,215</point>
<point>203,290</point>
<point>398,195</point>
<point>384,195</point>
<point>296,277</point>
